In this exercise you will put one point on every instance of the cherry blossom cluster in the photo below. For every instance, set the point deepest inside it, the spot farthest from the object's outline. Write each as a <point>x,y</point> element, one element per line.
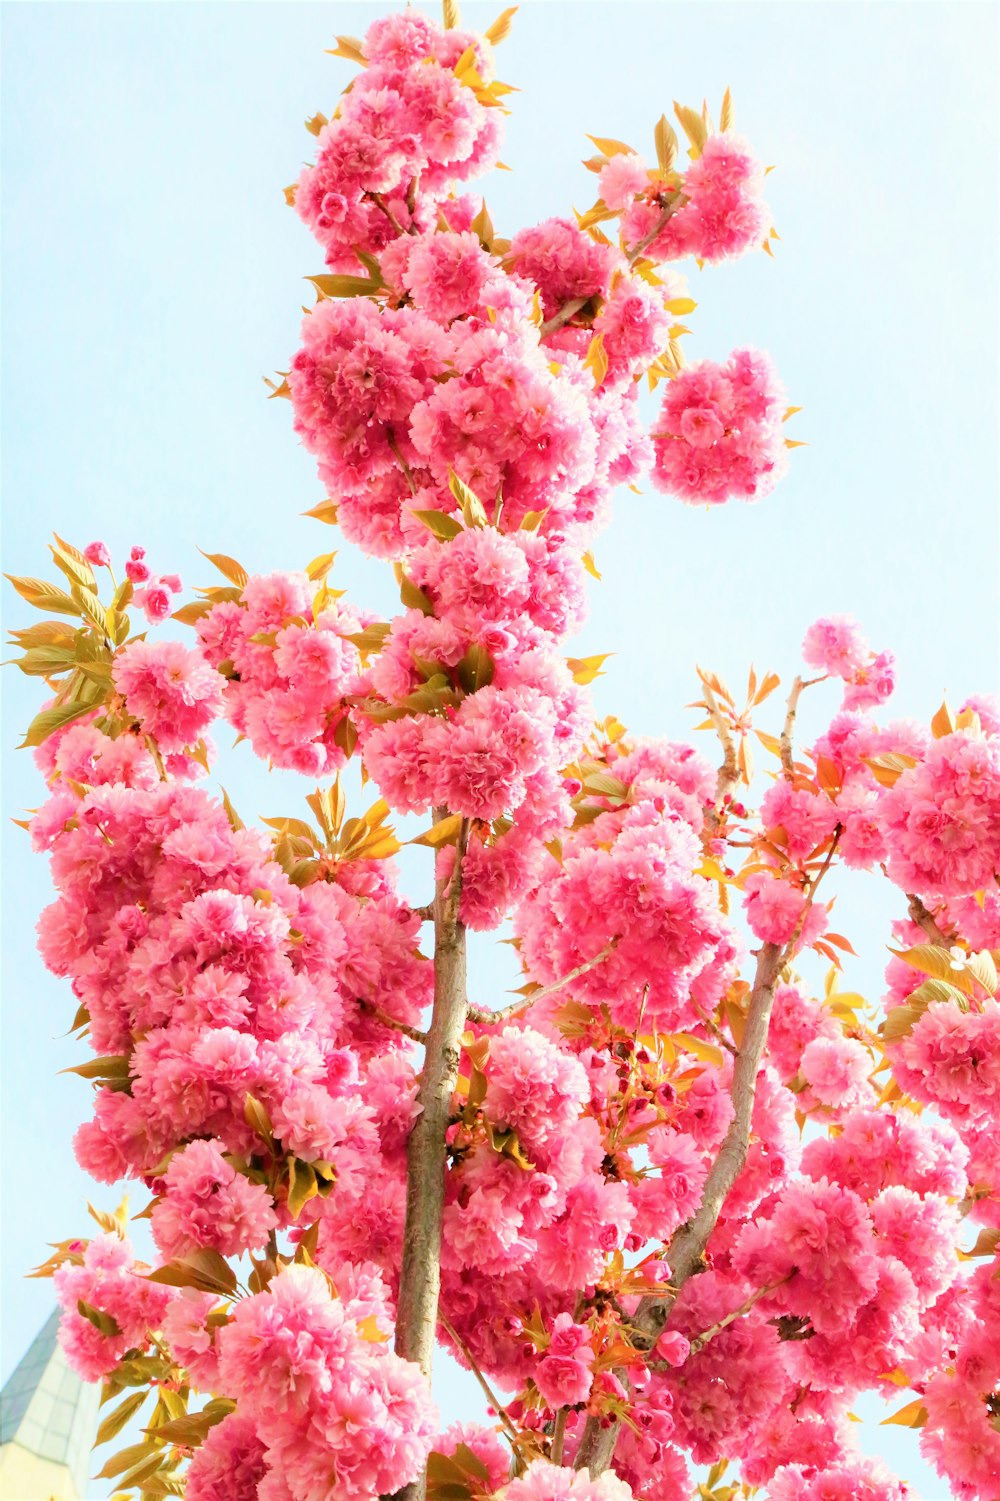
<point>719,431</point>
<point>286,653</point>
<point>322,1400</point>
<point>420,117</point>
<point>256,999</point>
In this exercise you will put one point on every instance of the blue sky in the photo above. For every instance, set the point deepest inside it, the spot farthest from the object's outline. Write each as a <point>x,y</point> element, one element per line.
<point>153,275</point>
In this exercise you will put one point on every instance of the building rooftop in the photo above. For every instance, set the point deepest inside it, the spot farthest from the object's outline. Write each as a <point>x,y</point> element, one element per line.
<point>46,1408</point>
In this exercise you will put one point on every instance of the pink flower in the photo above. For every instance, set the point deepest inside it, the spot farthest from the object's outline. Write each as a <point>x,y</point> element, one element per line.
<point>941,819</point>
<point>719,433</point>
<point>563,1374</point>
<point>97,554</point>
<point>170,690</point>
<point>205,1202</point>
<point>672,1347</point>
<point>624,176</point>
<point>835,645</point>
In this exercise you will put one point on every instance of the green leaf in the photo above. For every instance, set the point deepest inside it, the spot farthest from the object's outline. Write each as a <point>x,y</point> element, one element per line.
<point>586,669</point>
<point>302,1185</point>
<point>413,597</point>
<point>344,286</point>
<point>127,1459</point>
<point>666,143</point>
<point>70,561</point>
<point>440,523</point>
<point>372,638</point>
<point>476,669</point>
<point>110,1067</point>
<point>445,831</point>
<point>50,721</point>
<point>119,1416</point>
<point>191,1429</point>
<point>473,511</point>
<point>205,1270</point>
<point>46,661</point>
<point>104,1323</point>
<point>228,567</point>
<point>44,596</point>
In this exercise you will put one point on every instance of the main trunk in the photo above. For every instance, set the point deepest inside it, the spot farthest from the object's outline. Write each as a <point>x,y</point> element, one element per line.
<point>420,1279</point>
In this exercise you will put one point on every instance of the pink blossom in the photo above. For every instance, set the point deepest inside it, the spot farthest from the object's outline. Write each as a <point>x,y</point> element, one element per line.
<point>171,692</point>
<point>622,178</point>
<point>719,433</point>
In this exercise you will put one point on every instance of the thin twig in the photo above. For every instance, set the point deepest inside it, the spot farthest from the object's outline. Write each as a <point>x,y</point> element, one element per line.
<point>381,204</point>
<point>787,729</point>
<point>659,226</point>
<point>687,1249</point>
<point>787,762</point>
<point>701,1340</point>
<point>394,1022</point>
<point>714,1028</point>
<point>407,471</point>
<point>488,1018</point>
<point>491,1395</point>
<point>565,313</point>
<point>729,773</point>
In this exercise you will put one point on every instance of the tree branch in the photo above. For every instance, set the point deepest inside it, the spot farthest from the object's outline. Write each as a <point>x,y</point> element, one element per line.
<point>490,1394</point>
<point>923,919</point>
<point>486,1018</point>
<point>659,226</point>
<point>565,313</point>
<point>701,1340</point>
<point>394,1022</point>
<point>729,773</point>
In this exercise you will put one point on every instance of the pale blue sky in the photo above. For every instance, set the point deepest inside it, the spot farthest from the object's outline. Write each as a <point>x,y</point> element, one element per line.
<point>153,275</point>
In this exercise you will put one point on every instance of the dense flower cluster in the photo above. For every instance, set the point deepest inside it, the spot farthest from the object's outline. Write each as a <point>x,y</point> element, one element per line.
<point>413,122</point>
<point>331,1406</point>
<point>257,1001</point>
<point>289,663</point>
<point>719,431</point>
<point>108,1305</point>
<point>716,211</point>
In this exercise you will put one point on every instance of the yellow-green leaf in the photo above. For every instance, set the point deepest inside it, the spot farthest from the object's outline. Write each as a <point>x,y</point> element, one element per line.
<point>586,669</point>
<point>666,143</point>
<point>43,595</point>
<point>118,1417</point>
<point>913,1415</point>
<point>440,523</point>
<point>611,147</point>
<point>445,831</point>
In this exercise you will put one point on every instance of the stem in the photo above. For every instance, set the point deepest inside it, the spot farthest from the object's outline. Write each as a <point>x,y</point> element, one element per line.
<point>688,1246</point>
<point>559,1436</point>
<point>407,471</point>
<point>565,313</point>
<point>702,1340</point>
<point>420,1278</point>
<point>789,726</point>
<point>380,203</point>
<point>729,773</point>
<point>923,919</point>
<point>394,1022</point>
<point>487,1018</point>
<point>661,224</point>
<point>488,1391</point>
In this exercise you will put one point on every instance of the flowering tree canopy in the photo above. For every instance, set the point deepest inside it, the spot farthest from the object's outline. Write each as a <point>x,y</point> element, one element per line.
<point>670,1207</point>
